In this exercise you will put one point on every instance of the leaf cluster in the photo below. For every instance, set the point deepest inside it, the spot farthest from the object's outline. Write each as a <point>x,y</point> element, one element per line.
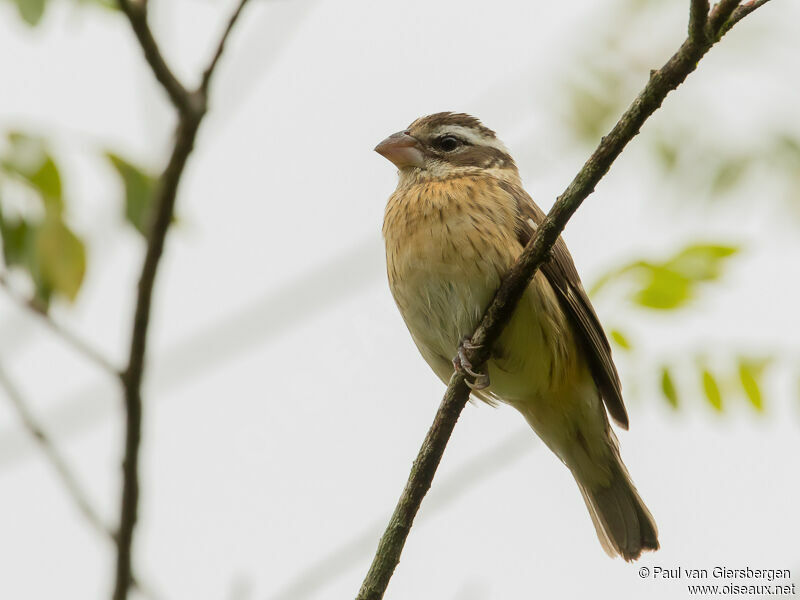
<point>672,283</point>
<point>745,380</point>
<point>37,239</point>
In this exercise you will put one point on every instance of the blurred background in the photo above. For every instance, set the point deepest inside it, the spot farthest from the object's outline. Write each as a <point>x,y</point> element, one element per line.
<point>284,398</point>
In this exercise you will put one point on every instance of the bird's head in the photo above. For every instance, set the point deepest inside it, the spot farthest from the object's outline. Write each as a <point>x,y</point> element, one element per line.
<point>445,145</point>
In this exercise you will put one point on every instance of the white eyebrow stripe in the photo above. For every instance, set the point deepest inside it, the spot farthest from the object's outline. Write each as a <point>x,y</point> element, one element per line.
<point>472,136</point>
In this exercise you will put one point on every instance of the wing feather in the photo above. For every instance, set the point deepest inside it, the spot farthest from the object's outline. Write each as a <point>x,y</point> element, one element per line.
<point>564,279</point>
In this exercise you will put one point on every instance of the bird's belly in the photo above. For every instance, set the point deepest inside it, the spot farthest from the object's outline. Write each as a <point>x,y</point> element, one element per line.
<point>442,303</point>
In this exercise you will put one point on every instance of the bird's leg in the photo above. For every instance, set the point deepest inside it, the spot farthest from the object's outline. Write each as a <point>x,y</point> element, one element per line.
<point>462,363</point>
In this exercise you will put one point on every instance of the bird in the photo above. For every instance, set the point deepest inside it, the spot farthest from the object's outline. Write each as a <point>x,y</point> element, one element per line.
<point>456,223</point>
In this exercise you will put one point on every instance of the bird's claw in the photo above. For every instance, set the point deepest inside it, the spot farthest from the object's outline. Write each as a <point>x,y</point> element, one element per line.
<point>480,379</point>
<point>481,382</point>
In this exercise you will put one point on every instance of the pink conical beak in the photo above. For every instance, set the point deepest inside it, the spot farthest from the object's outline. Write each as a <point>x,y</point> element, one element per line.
<point>402,149</point>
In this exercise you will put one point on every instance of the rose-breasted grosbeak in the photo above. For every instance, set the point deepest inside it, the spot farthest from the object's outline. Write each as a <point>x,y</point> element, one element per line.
<point>456,223</point>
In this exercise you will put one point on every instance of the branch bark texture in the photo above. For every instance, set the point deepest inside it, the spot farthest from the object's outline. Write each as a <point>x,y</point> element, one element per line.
<point>191,107</point>
<point>705,29</point>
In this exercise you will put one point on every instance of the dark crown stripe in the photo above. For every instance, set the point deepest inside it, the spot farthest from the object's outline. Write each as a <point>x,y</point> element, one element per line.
<point>451,118</point>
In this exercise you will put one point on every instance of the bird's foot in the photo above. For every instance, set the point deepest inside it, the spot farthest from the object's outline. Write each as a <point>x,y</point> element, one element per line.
<point>461,363</point>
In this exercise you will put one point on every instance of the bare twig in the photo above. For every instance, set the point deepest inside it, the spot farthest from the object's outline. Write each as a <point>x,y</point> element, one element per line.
<point>137,15</point>
<point>204,83</point>
<point>191,107</point>
<point>718,16</point>
<point>132,376</point>
<point>661,82</point>
<point>488,463</point>
<point>740,13</point>
<point>51,452</point>
<point>77,344</point>
<point>74,489</point>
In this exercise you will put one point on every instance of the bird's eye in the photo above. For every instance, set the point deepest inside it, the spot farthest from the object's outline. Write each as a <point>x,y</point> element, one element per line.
<point>448,143</point>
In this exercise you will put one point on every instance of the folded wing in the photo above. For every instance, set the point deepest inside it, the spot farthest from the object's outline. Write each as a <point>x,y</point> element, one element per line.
<point>563,277</point>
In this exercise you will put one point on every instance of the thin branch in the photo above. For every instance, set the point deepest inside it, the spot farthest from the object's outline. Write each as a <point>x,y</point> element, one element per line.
<point>206,80</point>
<point>740,13</point>
<point>314,577</point>
<point>191,108</point>
<point>536,253</point>
<point>698,16</point>
<point>719,15</point>
<point>137,15</point>
<point>419,482</point>
<point>74,490</point>
<point>132,376</point>
<point>77,344</point>
<point>59,463</point>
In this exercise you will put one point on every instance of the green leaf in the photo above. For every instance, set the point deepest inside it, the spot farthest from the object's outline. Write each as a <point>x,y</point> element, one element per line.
<point>47,180</point>
<point>620,339</point>
<point>19,250</point>
<point>729,173</point>
<point>666,290</point>
<point>670,284</point>
<point>668,387</point>
<point>25,153</point>
<point>17,237</point>
<point>711,390</point>
<point>750,372</point>
<point>28,159</point>
<point>61,258</point>
<point>139,192</point>
<point>107,4</point>
<point>701,262</point>
<point>49,252</point>
<point>31,11</point>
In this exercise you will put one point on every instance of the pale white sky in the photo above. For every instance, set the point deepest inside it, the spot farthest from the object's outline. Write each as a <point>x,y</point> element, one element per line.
<point>285,399</point>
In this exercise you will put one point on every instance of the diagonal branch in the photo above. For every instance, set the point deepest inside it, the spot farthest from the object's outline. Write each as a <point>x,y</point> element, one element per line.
<point>77,344</point>
<point>740,13</point>
<point>191,107</point>
<point>206,80</point>
<point>51,452</point>
<point>719,15</point>
<point>536,253</point>
<point>315,576</point>
<point>68,479</point>
<point>137,15</point>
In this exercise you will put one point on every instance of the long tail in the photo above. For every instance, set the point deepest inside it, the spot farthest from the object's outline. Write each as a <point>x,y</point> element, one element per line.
<point>623,523</point>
